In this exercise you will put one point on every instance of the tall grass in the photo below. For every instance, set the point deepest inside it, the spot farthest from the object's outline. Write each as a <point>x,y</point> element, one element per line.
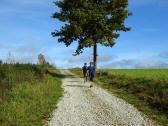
<point>28,94</point>
<point>14,74</point>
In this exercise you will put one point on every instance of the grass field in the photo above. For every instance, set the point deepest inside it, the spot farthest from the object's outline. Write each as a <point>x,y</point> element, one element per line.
<point>28,94</point>
<point>146,89</point>
<point>143,73</point>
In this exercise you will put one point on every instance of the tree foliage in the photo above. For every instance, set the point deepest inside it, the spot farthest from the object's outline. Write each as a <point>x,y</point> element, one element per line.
<point>90,22</point>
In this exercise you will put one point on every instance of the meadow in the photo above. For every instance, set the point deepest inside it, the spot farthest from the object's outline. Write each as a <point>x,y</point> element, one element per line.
<point>143,73</point>
<point>28,94</point>
<point>146,89</point>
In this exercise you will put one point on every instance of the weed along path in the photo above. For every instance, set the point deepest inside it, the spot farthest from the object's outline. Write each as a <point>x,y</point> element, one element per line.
<point>84,106</point>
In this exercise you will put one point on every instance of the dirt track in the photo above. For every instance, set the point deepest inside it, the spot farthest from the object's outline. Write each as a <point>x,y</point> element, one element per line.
<point>84,106</point>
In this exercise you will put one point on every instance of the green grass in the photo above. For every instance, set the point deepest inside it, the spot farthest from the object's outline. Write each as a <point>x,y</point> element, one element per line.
<point>143,73</point>
<point>28,94</point>
<point>145,89</point>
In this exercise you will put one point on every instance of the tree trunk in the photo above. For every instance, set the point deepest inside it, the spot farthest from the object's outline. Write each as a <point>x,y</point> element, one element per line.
<point>95,55</point>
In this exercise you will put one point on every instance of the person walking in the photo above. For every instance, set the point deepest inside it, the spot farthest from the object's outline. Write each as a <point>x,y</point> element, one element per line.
<point>85,72</point>
<point>91,72</point>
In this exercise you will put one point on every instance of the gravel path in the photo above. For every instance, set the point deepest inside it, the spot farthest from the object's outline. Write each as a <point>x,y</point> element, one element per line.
<point>84,106</point>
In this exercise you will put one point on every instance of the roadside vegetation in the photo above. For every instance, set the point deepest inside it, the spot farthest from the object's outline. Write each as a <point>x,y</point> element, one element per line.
<point>145,89</point>
<point>28,94</point>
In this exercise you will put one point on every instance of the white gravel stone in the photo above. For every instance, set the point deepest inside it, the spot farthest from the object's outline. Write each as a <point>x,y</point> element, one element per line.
<point>84,106</point>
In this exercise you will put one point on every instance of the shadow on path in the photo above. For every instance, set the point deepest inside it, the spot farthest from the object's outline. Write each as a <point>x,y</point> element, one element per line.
<point>59,75</point>
<point>77,86</point>
<point>73,81</point>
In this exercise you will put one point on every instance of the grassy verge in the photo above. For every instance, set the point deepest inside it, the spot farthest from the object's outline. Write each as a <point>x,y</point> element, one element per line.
<point>149,95</point>
<point>29,95</point>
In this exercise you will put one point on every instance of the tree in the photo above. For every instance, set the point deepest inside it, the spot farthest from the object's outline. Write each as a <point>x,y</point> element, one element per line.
<point>91,22</point>
<point>41,59</point>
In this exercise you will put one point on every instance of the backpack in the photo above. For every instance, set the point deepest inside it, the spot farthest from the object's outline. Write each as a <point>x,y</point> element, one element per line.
<point>84,69</point>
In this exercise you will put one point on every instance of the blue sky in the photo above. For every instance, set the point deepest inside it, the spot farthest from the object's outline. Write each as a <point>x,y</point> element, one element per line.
<point>26,26</point>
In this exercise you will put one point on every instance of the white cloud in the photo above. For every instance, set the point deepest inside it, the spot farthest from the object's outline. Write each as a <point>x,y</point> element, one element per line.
<point>26,49</point>
<point>131,64</point>
<point>3,46</point>
<point>88,58</point>
<point>151,64</point>
<point>79,59</point>
<point>163,54</point>
<point>124,63</point>
<point>106,58</point>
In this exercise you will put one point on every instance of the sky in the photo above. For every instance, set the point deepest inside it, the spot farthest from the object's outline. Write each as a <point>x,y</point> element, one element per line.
<point>26,26</point>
